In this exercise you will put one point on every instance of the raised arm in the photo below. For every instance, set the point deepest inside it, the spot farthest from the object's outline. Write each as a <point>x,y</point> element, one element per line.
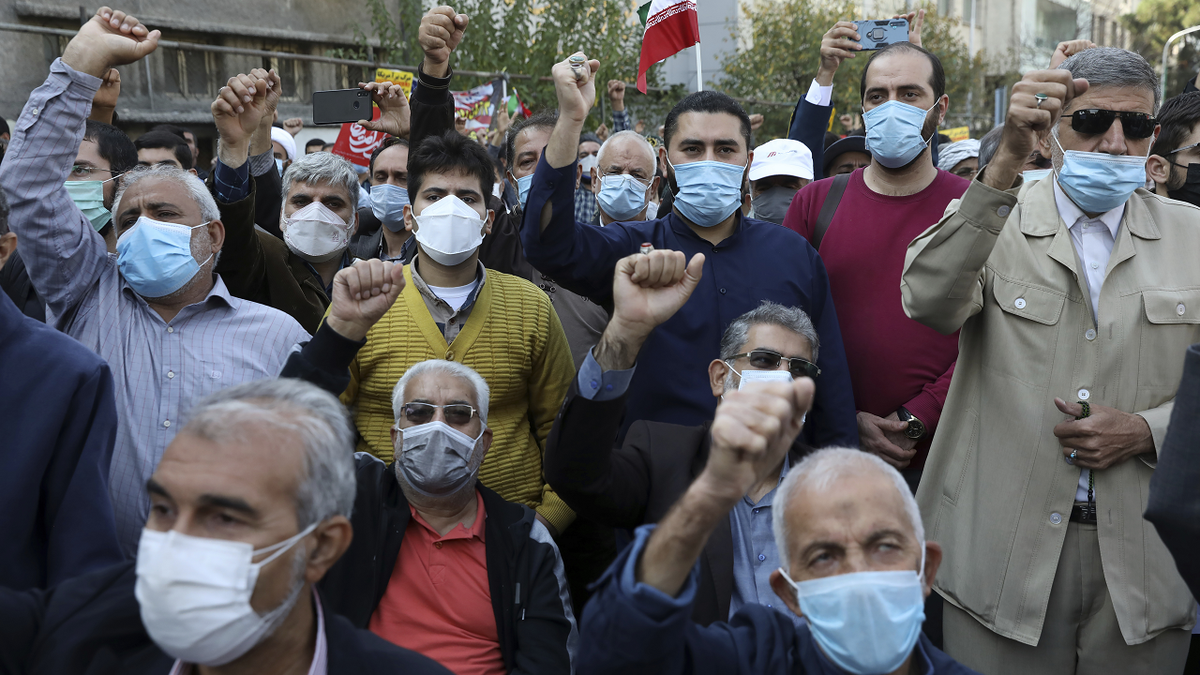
<point>605,484</point>
<point>63,253</point>
<point>432,107</point>
<point>104,103</point>
<point>942,282</point>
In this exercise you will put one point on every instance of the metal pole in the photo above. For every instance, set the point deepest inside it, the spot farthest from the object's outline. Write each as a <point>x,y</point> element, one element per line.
<point>699,70</point>
<point>1163,93</point>
<point>149,82</point>
<point>971,55</point>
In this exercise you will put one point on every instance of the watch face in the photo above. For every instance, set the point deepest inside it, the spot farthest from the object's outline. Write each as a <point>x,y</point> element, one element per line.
<point>915,429</point>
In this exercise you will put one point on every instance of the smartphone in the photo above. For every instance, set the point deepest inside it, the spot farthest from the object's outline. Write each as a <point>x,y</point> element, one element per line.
<point>877,34</point>
<point>341,105</point>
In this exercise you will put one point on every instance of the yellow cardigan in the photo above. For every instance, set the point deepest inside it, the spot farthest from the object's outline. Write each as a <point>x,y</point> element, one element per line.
<point>514,340</point>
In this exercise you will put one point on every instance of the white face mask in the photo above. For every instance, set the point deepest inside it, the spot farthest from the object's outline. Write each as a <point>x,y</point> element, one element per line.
<point>449,231</point>
<point>194,594</point>
<point>316,233</point>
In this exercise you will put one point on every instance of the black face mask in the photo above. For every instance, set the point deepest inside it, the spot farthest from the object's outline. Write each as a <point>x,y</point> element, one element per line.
<point>1190,190</point>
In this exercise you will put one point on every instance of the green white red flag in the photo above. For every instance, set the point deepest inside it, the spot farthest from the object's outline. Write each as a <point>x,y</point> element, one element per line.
<point>671,27</point>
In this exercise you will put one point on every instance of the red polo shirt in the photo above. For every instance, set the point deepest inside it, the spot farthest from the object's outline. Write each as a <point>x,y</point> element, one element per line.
<point>438,601</point>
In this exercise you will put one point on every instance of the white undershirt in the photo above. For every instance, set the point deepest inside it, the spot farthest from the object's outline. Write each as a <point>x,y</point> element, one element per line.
<point>1093,239</point>
<point>454,296</point>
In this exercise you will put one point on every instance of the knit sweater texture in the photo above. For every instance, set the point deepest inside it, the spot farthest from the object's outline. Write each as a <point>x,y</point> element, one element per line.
<point>514,340</point>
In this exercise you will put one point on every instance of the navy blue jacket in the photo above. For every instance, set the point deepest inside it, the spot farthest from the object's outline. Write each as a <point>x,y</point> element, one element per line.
<point>759,261</point>
<point>1174,503</point>
<point>92,624</point>
<point>634,629</point>
<point>808,124</point>
<point>58,415</point>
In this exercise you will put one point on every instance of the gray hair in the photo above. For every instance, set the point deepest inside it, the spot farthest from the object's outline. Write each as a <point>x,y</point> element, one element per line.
<point>450,368</point>
<point>989,143</point>
<point>772,314</point>
<point>818,471</point>
<point>312,414</point>
<point>323,167</point>
<point>169,172</point>
<point>641,141</point>
<point>1113,67</point>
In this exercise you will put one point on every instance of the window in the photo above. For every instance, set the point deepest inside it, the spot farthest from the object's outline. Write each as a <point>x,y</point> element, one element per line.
<point>188,73</point>
<point>1055,24</point>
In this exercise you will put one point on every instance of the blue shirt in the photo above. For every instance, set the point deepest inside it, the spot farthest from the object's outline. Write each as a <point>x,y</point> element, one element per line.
<point>754,552</point>
<point>759,261</point>
<point>635,629</point>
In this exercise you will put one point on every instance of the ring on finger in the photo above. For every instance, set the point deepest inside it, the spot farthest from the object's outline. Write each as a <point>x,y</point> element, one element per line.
<point>1041,98</point>
<point>1072,456</point>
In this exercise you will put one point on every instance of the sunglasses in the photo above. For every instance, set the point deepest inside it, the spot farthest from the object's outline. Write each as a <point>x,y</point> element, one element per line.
<point>457,414</point>
<point>765,359</point>
<point>1095,121</point>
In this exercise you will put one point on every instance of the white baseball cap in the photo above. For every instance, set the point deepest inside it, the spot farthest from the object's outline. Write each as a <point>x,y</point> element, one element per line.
<point>782,157</point>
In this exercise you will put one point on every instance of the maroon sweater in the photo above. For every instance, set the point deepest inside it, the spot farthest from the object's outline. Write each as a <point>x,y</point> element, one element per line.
<point>894,361</point>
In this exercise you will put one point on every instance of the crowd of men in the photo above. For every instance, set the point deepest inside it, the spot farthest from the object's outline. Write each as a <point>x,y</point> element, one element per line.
<point>556,401</point>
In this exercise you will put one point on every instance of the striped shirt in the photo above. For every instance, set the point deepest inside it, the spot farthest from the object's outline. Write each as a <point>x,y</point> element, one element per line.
<point>160,368</point>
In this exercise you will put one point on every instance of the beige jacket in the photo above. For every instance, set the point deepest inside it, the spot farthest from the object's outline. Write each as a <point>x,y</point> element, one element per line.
<point>996,492</point>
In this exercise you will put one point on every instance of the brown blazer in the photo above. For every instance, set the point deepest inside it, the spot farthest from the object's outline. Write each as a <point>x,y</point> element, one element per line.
<point>637,482</point>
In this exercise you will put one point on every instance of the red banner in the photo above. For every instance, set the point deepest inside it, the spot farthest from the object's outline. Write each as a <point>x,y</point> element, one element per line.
<point>356,143</point>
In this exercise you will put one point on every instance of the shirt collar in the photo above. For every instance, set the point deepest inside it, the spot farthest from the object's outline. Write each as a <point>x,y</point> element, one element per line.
<point>1072,214</point>
<point>476,531</point>
<point>480,280</point>
<point>317,275</point>
<point>217,295</point>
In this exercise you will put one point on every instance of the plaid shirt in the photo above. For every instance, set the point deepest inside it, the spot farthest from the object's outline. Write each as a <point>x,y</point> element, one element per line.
<point>160,368</point>
<point>585,205</point>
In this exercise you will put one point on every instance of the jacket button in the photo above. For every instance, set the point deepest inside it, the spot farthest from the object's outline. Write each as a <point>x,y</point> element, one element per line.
<point>1084,394</point>
<point>1020,303</point>
<point>1055,519</point>
<point>1090,334</point>
<point>722,291</point>
<point>449,356</point>
<point>1003,211</point>
<point>1180,309</point>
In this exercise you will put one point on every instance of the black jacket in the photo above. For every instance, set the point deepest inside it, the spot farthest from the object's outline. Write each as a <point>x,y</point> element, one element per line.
<point>92,624</point>
<point>14,280</point>
<point>529,593</point>
<point>638,482</point>
<point>1174,502</point>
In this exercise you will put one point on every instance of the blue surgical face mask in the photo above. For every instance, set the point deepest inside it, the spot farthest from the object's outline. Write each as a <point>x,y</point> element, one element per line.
<point>865,622</point>
<point>1034,174</point>
<point>621,196</point>
<point>708,191</point>
<point>894,133</point>
<point>279,166</point>
<point>387,203</point>
<point>1099,182</point>
<point>523,184</point>
<point>156,257</point>
<point>88,195</point>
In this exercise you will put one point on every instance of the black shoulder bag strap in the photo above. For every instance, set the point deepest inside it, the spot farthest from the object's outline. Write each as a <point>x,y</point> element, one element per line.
<point>825,217</point>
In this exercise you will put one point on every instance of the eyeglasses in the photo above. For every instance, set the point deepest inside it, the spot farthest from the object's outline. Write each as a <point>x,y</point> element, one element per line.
<point>456,414</point>
<point>1186,147</point>
<point>765,359</point>
<point>84,172</point>
<point>1095,121</point>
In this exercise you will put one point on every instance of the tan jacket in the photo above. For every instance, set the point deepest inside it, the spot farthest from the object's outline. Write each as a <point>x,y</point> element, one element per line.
<point>996,492</point>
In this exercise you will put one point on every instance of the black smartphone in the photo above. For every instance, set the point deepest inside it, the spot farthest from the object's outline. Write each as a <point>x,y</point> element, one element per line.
<point>341,105</point>
<point>877,34</point>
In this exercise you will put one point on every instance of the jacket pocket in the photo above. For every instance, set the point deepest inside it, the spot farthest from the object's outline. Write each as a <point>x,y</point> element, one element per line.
<point>1022,331</point>
<point>1172,324</point>
<point>962,459</point>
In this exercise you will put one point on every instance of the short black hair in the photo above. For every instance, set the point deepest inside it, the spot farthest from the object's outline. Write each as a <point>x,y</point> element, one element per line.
<point>113,145</point>
<point>175,129</point>
<point>589,137</point>
<point>831,138</point>
<point>3,126</point>
<point>706,101</point>
<point>937,81</point>
<point>449,152</point>
<point>387,143</point>
<point>169,141</point>
<point>1178,117</point>
<point>313,142</point>
<point>546,119</point>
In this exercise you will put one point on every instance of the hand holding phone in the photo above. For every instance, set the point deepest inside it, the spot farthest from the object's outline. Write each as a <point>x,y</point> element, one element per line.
<point>341,105</point>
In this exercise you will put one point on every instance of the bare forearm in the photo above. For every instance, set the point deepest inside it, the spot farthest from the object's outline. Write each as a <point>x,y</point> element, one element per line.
<point>260,141</point>
<point>232,155</point>
<point>1003,170</point>
<point>618,350</point>
<point>433,69</point>
<point>101,114</point>
<point>680,537</point>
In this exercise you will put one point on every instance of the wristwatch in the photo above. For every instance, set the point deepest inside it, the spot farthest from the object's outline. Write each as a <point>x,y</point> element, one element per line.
<point>916,428</point>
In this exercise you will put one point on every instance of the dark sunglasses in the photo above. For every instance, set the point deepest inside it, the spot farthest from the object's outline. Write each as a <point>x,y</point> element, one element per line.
<point>456,414</point>
<point>765,359</point>
<point>1095,121</point>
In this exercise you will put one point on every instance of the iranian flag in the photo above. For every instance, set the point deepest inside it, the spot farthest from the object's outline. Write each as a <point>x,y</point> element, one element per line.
<point>671,26</point>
